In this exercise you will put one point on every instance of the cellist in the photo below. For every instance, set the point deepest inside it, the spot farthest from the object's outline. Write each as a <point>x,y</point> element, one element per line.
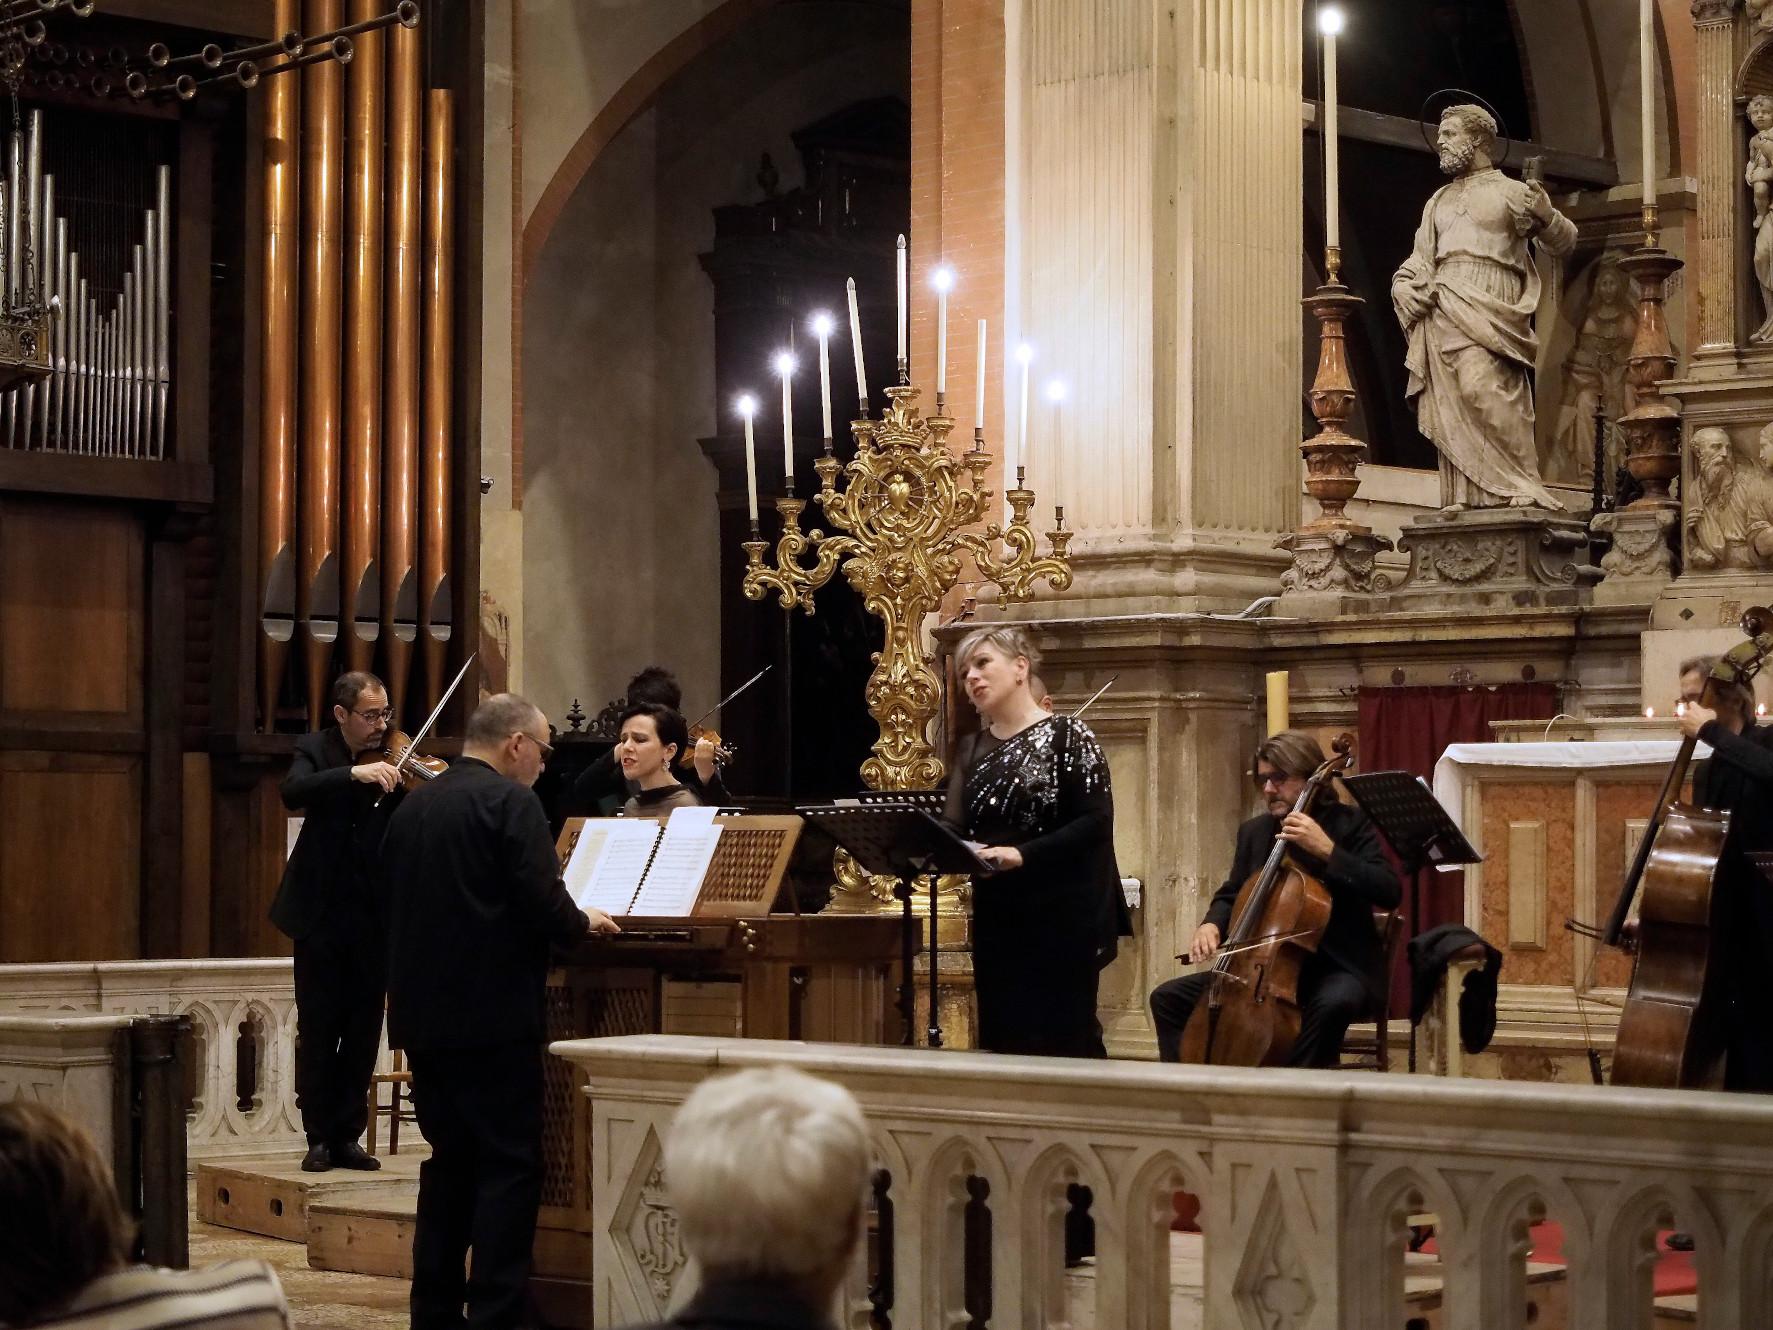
<point>1738,779</point>
<point>1333,842</point>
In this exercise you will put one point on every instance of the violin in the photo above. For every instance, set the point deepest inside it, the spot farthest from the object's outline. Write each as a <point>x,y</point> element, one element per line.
<point>723,752</point>
<point>1249,1015</point>
<point>1671,1032</point>
<point>418,769</point>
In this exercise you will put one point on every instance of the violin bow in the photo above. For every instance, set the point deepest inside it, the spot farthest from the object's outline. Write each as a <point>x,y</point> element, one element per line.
<point>431,720</point>
<point>730,696</point>
<point>1091,700</point>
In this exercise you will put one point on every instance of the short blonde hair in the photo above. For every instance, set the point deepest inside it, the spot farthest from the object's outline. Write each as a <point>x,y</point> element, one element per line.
<point>768,1169</point>
<point>1008,638</point>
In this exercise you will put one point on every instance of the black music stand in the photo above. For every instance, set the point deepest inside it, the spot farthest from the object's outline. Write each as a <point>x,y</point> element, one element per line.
<point>896,840</point>
<point>1763,861</point>
<point>1419,831</point>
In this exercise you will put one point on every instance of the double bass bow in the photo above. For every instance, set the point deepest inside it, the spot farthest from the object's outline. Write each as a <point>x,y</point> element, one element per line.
<point>1670,1030</point>
<point>1249,1015</point>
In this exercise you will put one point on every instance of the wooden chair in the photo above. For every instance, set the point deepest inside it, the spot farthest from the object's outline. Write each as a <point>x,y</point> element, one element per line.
<point>1374,1052</point>
<point>399,1083</point>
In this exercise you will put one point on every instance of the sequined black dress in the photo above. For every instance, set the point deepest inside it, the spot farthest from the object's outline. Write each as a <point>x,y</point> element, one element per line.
<point>1037,929</point>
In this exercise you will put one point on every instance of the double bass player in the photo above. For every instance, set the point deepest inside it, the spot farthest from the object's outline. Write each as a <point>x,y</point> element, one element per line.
<point>1335,843</point>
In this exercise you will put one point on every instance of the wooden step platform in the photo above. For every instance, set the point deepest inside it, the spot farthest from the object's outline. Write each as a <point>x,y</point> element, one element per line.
<point>355,1222</point>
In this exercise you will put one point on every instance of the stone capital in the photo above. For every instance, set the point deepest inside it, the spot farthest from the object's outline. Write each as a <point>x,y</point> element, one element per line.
<point>1713,11</point>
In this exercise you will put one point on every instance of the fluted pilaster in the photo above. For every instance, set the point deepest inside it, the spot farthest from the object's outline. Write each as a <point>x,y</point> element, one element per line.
<point>1720,177</point>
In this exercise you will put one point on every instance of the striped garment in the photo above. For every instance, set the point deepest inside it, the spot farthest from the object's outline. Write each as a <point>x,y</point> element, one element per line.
<point>234,1295</point>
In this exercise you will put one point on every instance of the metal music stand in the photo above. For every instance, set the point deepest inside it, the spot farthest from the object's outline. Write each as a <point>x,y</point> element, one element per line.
<point>1420,832</point>
<point>1762,860</point>
<point>897,840</point>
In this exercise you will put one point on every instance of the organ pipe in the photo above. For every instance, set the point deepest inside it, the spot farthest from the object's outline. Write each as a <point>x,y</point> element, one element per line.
<point>400,435</point>
<point>363,345</point>
<point>435,591</point>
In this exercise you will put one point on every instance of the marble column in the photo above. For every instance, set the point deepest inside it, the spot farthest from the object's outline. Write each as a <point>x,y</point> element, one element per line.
<point>1720,177</point>
<point>1154,238</point>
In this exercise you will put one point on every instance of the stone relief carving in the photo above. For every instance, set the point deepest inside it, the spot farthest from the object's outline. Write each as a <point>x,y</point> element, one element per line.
<point>1760,12</point>
<point>1729,513</point>
<point>657,1246</point>
<point>1595,375</point>
<point>1466,298</point>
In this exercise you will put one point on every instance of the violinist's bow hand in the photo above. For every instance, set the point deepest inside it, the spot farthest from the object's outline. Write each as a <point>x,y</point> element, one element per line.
<point>377,773</point>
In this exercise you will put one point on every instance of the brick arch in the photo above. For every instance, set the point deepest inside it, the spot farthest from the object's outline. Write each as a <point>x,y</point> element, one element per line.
<point>632,98</point>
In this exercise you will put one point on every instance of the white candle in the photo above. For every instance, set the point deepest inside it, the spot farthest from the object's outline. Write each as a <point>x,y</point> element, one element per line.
<point>748,409</point>
<point>856,348</point>
<point>1025,354</point>
<point>1056,395</point>
<point>785,367</point>
<point>1329,22</point>
<point>979,401</point>
<point>1647,97</point>
<point>904,326</point>
<point>823,325</point>
<point>943,280</point>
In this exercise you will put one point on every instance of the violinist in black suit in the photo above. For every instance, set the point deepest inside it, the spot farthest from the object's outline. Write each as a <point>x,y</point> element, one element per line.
<point>327,904</point>
<point>1336,844</point>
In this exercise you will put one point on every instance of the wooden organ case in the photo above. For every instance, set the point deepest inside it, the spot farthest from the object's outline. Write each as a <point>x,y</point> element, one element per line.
<point>741,963</point>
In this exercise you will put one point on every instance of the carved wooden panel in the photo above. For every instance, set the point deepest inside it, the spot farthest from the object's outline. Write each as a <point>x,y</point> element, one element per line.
<point>71,614</point>
<point>70,857</point>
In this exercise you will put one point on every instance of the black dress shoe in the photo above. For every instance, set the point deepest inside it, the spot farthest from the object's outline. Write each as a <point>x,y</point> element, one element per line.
<point>317,1160</point>
<point>353,1155</point>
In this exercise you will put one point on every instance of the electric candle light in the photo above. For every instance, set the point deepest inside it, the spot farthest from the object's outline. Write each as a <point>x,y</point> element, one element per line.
<point>1650,712</point>
<point>1330,23</point>
<point>903,315</point>
<point>1647,98</point>
<point>1278,717</point>
<point>856,349</point>
<point>823,326</point>
<point>943,280</point>
<point>979,401</point>
<point>1056,395</point>
<point>785,366</point>
<point>747,405</point>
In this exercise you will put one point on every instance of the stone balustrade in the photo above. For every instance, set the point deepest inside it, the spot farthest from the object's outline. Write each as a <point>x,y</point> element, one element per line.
<point>1306,1180</point>
<point>243,1016</point>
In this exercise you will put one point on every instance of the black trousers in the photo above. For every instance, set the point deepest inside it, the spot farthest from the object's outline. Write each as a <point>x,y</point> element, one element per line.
<point>1331,1001</point>
<point>1747,916</point>
<point>481,1111</point>
<point>340,983</point>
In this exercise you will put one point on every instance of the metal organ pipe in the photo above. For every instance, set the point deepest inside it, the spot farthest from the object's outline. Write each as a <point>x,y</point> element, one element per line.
<point>435,590</point>
<point>400,432</point>
<point>363,346</point>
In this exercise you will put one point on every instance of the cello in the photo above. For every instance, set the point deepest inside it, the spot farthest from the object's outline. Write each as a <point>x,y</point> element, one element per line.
<point>1670,1031</point>
<point>1249,1015</point>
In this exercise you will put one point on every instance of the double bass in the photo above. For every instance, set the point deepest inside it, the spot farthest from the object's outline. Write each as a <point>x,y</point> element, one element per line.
<point>1671,1032</point>
<point>1249,1015</point>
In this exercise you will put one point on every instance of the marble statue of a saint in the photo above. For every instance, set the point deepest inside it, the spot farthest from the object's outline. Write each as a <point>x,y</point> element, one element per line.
<point>1466,298</point>
<point>1759,178</point>
<point>1730,506</point>
<point>1594,376</point>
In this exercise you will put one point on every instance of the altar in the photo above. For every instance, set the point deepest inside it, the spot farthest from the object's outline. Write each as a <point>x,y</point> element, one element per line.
<point>1557,824</point>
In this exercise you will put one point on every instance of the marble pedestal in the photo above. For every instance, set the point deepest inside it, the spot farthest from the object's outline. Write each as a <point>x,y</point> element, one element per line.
<point>1490,558</point>
<point>1639,564</point>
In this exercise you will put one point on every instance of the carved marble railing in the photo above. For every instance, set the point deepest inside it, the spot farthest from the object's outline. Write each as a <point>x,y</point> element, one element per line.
<point>1306,1181</point>
<point>243,1016</point>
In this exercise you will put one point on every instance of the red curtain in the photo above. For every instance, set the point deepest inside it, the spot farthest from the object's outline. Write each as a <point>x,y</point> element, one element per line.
<point>1407,729</point>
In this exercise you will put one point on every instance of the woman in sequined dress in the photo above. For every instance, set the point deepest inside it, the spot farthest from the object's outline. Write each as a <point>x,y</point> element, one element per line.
<point>1032,789</point>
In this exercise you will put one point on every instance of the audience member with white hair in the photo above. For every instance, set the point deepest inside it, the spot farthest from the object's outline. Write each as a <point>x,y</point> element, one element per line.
<point>768,1171</point>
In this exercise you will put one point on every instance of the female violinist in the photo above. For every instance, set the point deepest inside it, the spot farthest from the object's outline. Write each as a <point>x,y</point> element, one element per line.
<point>1034,789</point>
<point>601,785</point>
<point>1334,843</point>
<point>651,738</point>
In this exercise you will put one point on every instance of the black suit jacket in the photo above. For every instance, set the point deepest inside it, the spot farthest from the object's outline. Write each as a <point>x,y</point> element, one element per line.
<point>1358,875</point>
<point>331,871</point>
<point>474,902</point>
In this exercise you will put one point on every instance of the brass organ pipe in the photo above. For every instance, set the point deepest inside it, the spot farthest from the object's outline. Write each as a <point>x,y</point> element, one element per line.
<point>363,350</point>
<point>58,381</point>
<point>162,301</point>
<point>318,586</point>
<point>435,589</point>
<point>290,43</point>
<point>277,414</point>
<point>340,49</point>
<point>406,14</point>
<point>400,431</point>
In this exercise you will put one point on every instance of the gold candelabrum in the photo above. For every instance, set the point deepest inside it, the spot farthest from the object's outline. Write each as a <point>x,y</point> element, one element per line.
<point>911,510</point>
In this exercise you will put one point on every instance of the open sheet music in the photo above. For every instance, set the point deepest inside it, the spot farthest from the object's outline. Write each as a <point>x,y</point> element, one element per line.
<point>636,866</point>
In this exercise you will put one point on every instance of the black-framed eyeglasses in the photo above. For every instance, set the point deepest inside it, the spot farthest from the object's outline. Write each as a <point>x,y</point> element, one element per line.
<point>385,713</point>
<point>545,749</point>
<point>1264,779</point>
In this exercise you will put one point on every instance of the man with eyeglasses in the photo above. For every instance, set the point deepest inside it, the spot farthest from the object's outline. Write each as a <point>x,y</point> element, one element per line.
<point>475,902</point>
<point>345,790</point>
<point>1335,843</point>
